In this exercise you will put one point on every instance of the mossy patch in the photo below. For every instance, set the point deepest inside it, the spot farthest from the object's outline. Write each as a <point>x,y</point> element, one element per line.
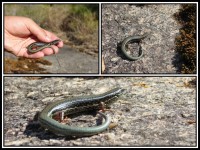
<point>186,40</point>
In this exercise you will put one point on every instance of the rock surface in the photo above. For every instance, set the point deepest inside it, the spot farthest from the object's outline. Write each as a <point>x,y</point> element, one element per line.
<point>153,111</point>
<point>72,62</point>
<point>122,20</point>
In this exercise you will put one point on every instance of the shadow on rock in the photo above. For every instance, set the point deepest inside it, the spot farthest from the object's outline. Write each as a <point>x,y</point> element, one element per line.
<point>34,129</point>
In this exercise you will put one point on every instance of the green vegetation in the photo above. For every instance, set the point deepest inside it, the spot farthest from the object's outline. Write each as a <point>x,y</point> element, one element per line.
<point>82,21</point>
<point>186,41</point>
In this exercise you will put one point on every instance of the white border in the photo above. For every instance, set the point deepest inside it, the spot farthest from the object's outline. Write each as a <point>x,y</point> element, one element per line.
<point>99,74</point>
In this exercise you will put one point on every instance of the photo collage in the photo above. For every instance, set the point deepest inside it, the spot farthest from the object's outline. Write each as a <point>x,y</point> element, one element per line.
<point>100,74</point>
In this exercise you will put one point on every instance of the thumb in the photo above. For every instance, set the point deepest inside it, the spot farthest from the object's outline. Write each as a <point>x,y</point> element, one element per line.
<point>37,31</point>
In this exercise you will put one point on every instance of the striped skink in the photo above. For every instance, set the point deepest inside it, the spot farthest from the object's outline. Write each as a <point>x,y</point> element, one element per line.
<point>74,105</point>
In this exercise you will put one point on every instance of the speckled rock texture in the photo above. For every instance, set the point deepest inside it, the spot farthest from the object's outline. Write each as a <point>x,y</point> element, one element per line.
<point>122,20</point>
<point>153,111</point>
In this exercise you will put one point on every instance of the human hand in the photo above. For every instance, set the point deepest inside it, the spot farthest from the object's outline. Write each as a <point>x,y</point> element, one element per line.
<point>19,32</point>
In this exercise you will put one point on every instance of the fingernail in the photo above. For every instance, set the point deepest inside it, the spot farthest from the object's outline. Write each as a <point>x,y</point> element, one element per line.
<point>47,38</point>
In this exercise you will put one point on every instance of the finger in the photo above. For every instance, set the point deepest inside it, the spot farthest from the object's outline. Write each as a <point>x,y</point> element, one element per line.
<point>54,37</point>
<point>39,54</point>
<point>42,34</point>
<point>60,44</point>
<point>49,51</point>
<point>37,31</point>
<point>44,52</point>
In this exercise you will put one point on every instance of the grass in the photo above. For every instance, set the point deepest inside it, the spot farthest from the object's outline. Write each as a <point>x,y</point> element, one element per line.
<point>83,22</point>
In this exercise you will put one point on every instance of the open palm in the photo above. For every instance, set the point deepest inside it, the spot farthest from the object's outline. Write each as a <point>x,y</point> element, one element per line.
<point>19,32</point>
